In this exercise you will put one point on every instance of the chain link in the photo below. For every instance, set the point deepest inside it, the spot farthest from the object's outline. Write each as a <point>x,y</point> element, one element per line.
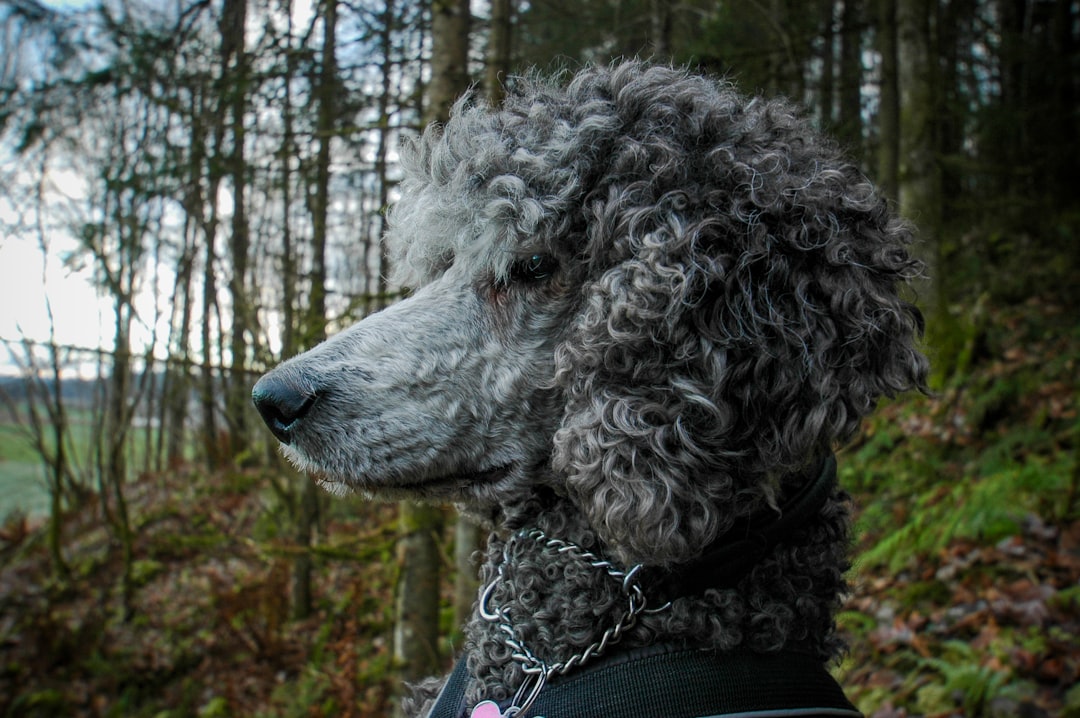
<point>536,670</point>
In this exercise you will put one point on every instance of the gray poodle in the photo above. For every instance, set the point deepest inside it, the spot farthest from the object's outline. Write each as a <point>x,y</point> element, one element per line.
<point>645,310</point>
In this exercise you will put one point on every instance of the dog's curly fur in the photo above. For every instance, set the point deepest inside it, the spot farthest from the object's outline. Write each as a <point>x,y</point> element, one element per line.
<point>645,306</point>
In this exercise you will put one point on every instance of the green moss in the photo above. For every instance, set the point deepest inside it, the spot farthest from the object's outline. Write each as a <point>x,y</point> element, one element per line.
<point>928,592</point>
<point>1071,709</point>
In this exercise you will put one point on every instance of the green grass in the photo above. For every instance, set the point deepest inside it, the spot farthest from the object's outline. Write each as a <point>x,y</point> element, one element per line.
<point>14,445</point>
<point>22,488</point>
<point>22,476</point>
<point>23,485</point>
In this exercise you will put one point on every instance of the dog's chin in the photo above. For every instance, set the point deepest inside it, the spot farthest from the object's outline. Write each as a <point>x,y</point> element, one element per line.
<point>454,487</point>
<point>468,486</point>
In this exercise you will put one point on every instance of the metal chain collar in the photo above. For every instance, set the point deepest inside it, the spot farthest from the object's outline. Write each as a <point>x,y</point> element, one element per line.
<point>537,671</point>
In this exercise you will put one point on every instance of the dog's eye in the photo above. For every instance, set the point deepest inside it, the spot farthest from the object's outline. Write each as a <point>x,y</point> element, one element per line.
<point>534,268</point>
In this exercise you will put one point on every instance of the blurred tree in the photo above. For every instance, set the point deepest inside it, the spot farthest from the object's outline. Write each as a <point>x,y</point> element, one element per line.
<point>500,48</point>
<point>919,170</point>
<point>849,128</point>
<point>235,89</point>
<point>560,33</point>
<point>731,42</point>
<point>119,130</point>
<point>375,282</point>
<point>661,16</point>
<point>450,20</point>
<point>827,81</point>
<point>889,111</point>
<point>1030,127</point>
<point>176,381</point>
<point>326,90</point>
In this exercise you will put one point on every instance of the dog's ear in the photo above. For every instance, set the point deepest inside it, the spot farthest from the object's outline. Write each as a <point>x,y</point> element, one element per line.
<point>648,443</point>
<point>738,330</point>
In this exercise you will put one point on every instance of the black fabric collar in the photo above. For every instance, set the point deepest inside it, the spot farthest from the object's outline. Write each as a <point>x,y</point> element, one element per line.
<point>677,682</point>
<point>732,555</point>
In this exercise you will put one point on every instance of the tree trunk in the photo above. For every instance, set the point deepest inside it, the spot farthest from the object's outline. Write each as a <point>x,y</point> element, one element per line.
<point>467,541</point>
<point>1061,95</point>
<point>177,377</point>
<point>889,111</point>
<point>449,56</point>
<point>56,459</point>
<point>200,192</point>
<point>828,66</point>
<point>207,388</point>
<point>307,516</point>
<point>785,76</point>
<point>919,170</point>
<point>850,124</point>
<point>117,424</point>
<point>416,629</point>
<point>499,49</point>
<point>57,467</point>
<point>325,124</point>
<point>290,278</point>
<point>306,521</point>
<point>660,20</point>
<point>234,62</point>
<point>1011,141</point>
<point>375,289</point>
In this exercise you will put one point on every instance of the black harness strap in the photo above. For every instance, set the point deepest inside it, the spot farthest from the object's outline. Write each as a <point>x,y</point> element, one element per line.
<point>451,700</point>
<point>671,682</point>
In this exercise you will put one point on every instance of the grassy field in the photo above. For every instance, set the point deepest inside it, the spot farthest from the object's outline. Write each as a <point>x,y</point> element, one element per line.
<point>22,478</point>
<point>22,489</point>
<point>23,484</point>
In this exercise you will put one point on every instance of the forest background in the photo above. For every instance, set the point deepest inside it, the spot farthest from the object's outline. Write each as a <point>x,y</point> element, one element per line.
<point>220,168</point>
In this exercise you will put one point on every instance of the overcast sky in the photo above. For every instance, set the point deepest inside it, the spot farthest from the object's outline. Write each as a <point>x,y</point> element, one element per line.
<point>75,304</point>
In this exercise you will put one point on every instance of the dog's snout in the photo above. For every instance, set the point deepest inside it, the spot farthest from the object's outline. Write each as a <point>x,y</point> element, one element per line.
<point>282,404</point>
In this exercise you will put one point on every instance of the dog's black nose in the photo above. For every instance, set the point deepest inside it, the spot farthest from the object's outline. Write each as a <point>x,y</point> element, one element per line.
<point>282,404</point>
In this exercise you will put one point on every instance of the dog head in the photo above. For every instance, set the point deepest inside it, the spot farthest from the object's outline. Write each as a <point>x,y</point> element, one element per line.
<point>642,289</point>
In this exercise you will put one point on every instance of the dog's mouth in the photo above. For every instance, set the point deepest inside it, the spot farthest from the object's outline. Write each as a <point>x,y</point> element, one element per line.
<point>457,485</point>
<point>451,487</point>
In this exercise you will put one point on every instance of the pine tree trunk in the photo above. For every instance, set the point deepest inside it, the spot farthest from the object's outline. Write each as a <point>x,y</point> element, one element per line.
<point>889,111</point>
<point>308,510</point>
<point>416,630</point>
<point>919,171</point>
<point>326,91</point>
<point>828,66</point>
<point>117,424</point>
<point>207,388</point>
<point>467,541</point>
<point>306,520</point>
<point>499,49</point>
<point>234,62</point>
<point>177,375</point>
<point>449,56</point>
<point>660,21</point>
<point>850,125</point>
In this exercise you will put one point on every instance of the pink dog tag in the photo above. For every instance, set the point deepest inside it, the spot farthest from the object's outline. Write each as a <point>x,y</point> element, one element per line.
<point>486,709</point>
